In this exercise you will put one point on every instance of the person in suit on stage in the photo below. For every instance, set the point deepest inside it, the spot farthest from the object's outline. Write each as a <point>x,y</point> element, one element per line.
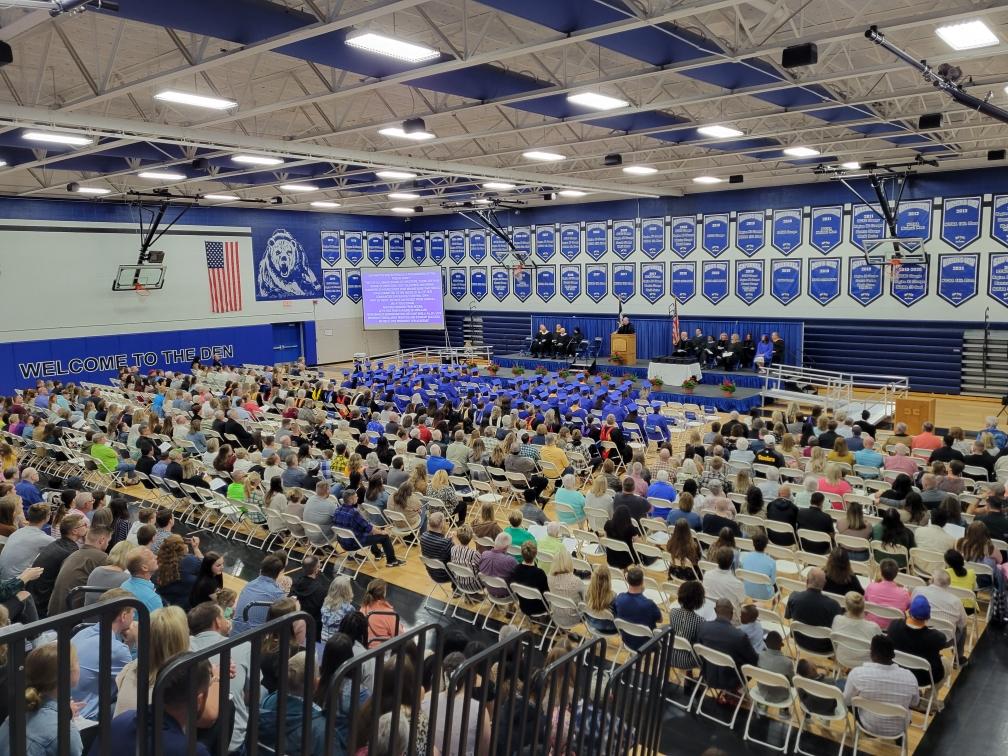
<point>721,350</point>
<point>542,342</point>
<point>575,341</point>
<point>685,347</point>
<point>749,351</point>
<point>778,347</point>
<point>626,326</point>
<point>561,343</point>
<point>710,351</point>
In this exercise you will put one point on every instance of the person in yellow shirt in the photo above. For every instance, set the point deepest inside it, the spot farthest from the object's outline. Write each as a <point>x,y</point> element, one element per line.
<point>554,455</point>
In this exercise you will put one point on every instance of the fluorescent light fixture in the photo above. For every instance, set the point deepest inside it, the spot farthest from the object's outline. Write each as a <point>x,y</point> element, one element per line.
<point>596,101</point>
<point>222,197</point>
<point>197,101</point>
<point>969,35</point>
<point>707,180</point>
<point>395,175</point>
<point>639,170</point>
<point>92,190</point>
<point>257,160</point>
<point>299,187</point>
<point>800,151</point>
<point>571,193</point>
<point>482,201</point>
<point>719,132</point>
<point>398,133</point>
<point>403,196</point>
<point>162,176</point>
<point>3,163</point>
<point>543,156</point>
<point>498,186</point>
<point>391,47</point>
<point>325,204</point>
<point>56,138</point>
<point>403,210</point>
<point>851,166</point>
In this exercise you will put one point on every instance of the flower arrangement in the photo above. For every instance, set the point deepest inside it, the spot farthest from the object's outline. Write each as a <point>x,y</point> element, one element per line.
<point>604,377</point>
<point>472,363</point>
<point>564,374</point>
<point>493,368</point>
<point>541,370</point>
<point>656,383</point>
<point>627,376</point>
<point>728,386</point>
<point>517,370</point>
<point>617,359</point>
<point>689,384</point>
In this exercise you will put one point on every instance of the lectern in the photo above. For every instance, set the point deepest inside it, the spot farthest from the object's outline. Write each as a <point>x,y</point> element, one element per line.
<point>624,345</point>
<point>914,412</point>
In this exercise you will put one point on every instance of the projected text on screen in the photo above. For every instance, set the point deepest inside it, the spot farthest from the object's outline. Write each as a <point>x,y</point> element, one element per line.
<point>403,299</point>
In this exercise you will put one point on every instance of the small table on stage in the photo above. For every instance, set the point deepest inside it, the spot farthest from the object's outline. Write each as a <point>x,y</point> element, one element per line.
<point>673,375</point>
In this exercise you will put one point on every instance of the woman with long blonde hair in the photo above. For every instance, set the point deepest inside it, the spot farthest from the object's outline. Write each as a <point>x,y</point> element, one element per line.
<point>41,670</point>
<point>817,462</point>
<point>418,479</point>
<point>599,599</point>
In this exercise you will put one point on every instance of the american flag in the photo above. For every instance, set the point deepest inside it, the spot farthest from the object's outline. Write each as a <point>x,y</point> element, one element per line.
<point>224,274</point>
<point>675,323</point>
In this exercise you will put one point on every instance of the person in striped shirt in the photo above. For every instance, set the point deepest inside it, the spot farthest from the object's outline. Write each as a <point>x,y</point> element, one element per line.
<point>882,680</point>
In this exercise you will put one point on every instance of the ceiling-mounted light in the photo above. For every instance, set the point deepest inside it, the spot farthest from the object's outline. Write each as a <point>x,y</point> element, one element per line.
<point>639,170</point>
<point>161,176</point>
<point>572,193</point>
<point>93,190</point>
<point>257,160</point>
<point>390,46</point>
<point>222,197</point>
<point>197,101</point>
<point>3,163</point>
<point>707,180</point>
<point>717,131</point>
<point>853,165</point>
<point>399,133</point>
<point>327,204</point>
<point>800,151</point>
<point>403,196</point>
<point>543,156</point>
<point>481,201</point>
<point>498,186</point>
<point>404,210</point>
<point>57,138</point>
<point>299,187</point>
<point>395,175</point>
<point>968,35</point>
<point>596,101</point>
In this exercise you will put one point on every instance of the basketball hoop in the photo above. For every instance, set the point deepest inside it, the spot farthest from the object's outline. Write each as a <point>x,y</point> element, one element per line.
<point>895,267</point>
<point>141,290</point>
<point>517,271</point>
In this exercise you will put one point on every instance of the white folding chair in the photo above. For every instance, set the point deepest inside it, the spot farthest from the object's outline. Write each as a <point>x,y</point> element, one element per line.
<point>824,691</point>
<point>879,709</point>
<point>714,658</point>
<point>754,677</point>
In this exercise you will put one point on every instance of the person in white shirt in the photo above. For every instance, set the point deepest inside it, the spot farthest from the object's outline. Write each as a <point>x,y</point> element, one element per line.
<point>741,452</point>
<point>853,623</point>
<point>945,605</point>
<point>25,543</point>
<point>933,536</point>
<point>881,680</point>
<point>722,583</point>
<point>477,721</point>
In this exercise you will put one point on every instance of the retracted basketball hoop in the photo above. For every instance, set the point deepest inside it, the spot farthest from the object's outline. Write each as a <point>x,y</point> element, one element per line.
<point>140,290</point>
<point>893,254</point>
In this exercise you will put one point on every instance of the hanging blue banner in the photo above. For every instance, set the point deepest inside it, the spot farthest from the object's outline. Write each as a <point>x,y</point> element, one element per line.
<point>354,289</point>
<point>786,230</point>
<point>545,241</point>
<point>715,234</point>
<point>546,282</point>
<point>909,283</point>
<point>597,281</point>
<point>957,278</point>
<point>652,237</point>
<point>997,281</point>
<point>478,282</point>
<point>418,248</point>
<point>522,238</point>
<point>457,283</point>
<point>624,238</point>
<point>999,219</point>
<point>683,235</point>
<point>596,239</point>
<point>682,281</point>
<point>624,284</point>
<point>330,248</point>
<point>477,245</point>
<point>570,282</point>
<point>500,282</point>
<point>785,279</point>
<point>396,249</point>
<point>332,285</point>
<point>961,221</point>
<point>824,279</point>
<point>353,246</point>
<point>714,281</point>
<point>913,220</point>
<point>864,281</point>
<point>748,280</point>
<point>826,230</point>
<point>652,281</point>
<point>376,247</point>
<point>499,249</point>
<point>570,240</point>
<point>750,232</point>
<point>456,246</point>
<point>437,247</point>
<point>522,279</point>
<point>866,223</point>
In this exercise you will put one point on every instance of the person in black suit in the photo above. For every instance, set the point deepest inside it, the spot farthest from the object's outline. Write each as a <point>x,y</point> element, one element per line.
<point>865,426</point>
<point>721,635</point>
<point>626,326</point>
<point>946,453</point>
<point>561,343</point>
<point>542,342</point>
<point>575,341</point>
<point>778,348</point>
<point>234,427</point>
<point>814,518</point>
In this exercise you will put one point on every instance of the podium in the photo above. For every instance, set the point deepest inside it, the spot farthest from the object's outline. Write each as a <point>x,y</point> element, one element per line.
<point>914,412</point>
<point>624,345</point>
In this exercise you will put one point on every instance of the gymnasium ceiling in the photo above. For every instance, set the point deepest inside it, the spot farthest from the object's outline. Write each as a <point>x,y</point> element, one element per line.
<point>497,89</point>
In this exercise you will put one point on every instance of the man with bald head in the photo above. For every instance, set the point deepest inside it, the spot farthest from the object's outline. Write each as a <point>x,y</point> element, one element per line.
<point>721,635</point>
<point>813,608</point>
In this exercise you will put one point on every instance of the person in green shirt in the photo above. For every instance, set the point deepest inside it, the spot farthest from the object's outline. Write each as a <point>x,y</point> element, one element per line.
<point>553,542</point>
<point>236,488</point>
<point>106,457</point>
<point>519,535</point>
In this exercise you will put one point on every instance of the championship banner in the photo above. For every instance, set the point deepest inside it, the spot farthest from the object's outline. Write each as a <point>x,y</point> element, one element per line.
<point>546,282</point>
<point>997,281</point>
<point>396,249</point>
<point>570,240</point>
<point>749,280</point>
<point>652,236</point>
<point>418,248</point>
<point>785,279</point>
<point>545,241</point>
<point>522,283</point>
<point>354,289</point>
<point>500,282</point>
<point>332,285</point>
<point>624,238</point>
<point>999,219</point>
<point>652,281</point>
<point>570,282</point>
<point>376,247</point>
<point>684,235</point>
<point>864,281</point>
<point>715,234</point>
<point>499,249</point>
<point>960,225</point>
<point>824,279</point>
<point>596,239</point>
<point>436,247</point>
<point>457,283</point>
<point>456,246</point>
<point>826,230</point>
<point>913,220</point>
<point>624,281</point>
<point>597,281</point>
<point>909,284</point>
<point>330,247</point>
<point>478,282</point>
<point>353,246</point>
<point>867,223</point>
<point>957,278</point>
<point>682,281</point>
<point>786,230</point>
<point>750,232</point>
<point>477,245</point>
<point>714,281</point>
<point>522,239</point>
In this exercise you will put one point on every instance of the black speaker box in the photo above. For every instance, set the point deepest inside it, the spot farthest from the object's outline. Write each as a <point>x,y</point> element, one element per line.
<point>800,55</point>
<point>6,54</point>
<point>929,121</point>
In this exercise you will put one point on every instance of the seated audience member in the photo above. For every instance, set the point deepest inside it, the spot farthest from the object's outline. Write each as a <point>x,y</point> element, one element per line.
<point>814,518</point>
<point>772,659</point>
<point>338,604</point>
<point>721,635</point>
<point>169,637</point>
<point>946,452</point>
<point>913,636</point>
<point>320,508</point>
<point>886,592</point>
<point>633,606</point>
<point>552,543</point>
<point>758,561</point>
<point>381,615</point>
<point>869,457</point>
<point>599,496</point>
<point>530,509</point>
<point>892,532</point>
<point>463,555</point>
<point>853,623</point>
<point>486,526</point>
<point>621,528</point>
<point>945,605</point>
<point>600,599</point>
<point>518,533</point>
<point>660,488</point>
<point>72,529</point>
<point>25,543</point>
<point>91,677</point>
<point>299,680</point>
<point>682,553</point>
<point>930,494</point>
<point>961,576</point>
<point>142,566</point>
<point>882,680</point>
<point>811,607</point>
<point>722,515</point>
<point>750,625</point>
<point>840,577</point>
<point>722,583</point>
<point>900,461</point>
<point>685,512</point>
<point>263,589</point>
<point>78,566</point>
<point>637,505</point>
<point>528,574</point>
<point>365,534</point>
<point>434,544</point>
<point>927,439</point>
<point>177,571</point>
<point>498,563</point>
<point>933,536</point>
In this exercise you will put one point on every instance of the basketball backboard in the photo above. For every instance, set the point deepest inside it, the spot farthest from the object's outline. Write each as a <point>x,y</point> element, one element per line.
<point>148,276</point>
<point>885,251</point>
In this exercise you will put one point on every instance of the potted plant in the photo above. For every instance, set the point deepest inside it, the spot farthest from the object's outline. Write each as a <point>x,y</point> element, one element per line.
<point>604,377</point>
<point>541,370</point>
<point>564,374</point>
<point>689,384</point>
<point>627,376</point>
<point>727,387</point>
<point>617,359</point>
<point>517,370</point>
<point>493,368</point>
<point>656,383</point>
